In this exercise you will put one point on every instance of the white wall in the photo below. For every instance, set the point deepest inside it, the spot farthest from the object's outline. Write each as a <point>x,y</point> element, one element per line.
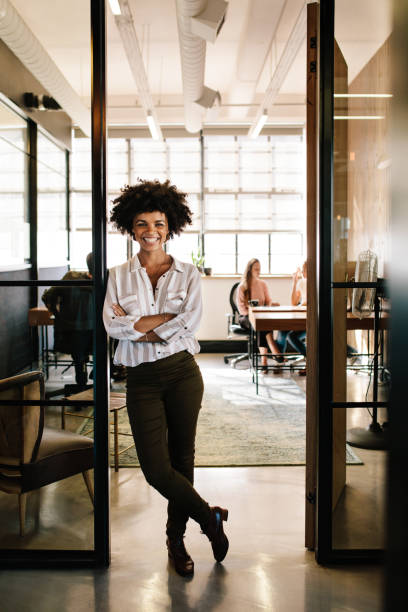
<point>216,290</point>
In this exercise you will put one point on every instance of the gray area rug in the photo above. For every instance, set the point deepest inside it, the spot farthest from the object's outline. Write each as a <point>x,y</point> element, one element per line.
<point>236,427</point>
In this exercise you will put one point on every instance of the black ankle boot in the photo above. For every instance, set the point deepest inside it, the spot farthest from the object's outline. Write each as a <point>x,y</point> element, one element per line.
<point>181,560</point>
<point>215,532</point>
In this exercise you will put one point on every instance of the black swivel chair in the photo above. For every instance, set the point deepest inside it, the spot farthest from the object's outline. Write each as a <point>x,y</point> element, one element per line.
<point>234,328</point>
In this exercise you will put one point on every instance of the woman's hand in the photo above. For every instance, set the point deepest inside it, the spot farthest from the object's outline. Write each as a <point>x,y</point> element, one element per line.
<point>118,310</point>
<point>297,275</point>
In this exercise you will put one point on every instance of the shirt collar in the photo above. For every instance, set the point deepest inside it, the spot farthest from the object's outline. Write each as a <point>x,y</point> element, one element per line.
<point>135,264</point>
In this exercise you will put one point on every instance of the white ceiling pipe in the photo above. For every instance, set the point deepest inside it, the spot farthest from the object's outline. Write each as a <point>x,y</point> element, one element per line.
<point>21,41</point>
<point>192,52</point>
<point>126,27</point>
<point>289,53</point>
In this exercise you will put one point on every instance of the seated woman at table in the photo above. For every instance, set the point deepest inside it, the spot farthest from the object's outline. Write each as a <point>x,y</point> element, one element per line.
<point>296,339</point>
<point>253,288</point>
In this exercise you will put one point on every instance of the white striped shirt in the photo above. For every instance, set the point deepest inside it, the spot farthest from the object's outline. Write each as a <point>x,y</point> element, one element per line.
<point>178,291</point>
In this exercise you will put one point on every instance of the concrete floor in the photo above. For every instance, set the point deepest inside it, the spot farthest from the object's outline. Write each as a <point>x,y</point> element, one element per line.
<point>267,567</point>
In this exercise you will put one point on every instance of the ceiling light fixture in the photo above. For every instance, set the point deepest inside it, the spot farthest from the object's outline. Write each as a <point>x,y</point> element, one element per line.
<point>289,53</point>
<point>154,130</point>
<point>115,7</point>
<point>351,117</point>
<point>255,131</point>
<point>368,95</point>
<point>126,27</point>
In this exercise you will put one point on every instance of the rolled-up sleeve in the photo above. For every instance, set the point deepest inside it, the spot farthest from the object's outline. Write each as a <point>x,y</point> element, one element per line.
<point>121,328</point>
<point>188,320</point>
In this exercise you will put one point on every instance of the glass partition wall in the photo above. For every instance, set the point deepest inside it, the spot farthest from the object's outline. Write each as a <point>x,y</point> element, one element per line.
<point>14,234</point>
<point>54,507</point>
<point>354,374</point>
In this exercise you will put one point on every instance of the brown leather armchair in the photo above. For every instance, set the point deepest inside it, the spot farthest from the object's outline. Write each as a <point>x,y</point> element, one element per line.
<point>31,455</point>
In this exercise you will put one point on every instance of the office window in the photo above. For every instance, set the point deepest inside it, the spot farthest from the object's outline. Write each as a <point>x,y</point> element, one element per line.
<point>81,228</point>
<point>286,252</point>
<point>221,163</point>
<point>220,253</point>
<point>184,164</point>
<point>52,203</point>
<point>253,245</point>
<point>81,199</point>
<point>255,168</point>
<point>253,190</point>
<point>182,246</point>
<point>288,212</point>
<point>255,186</point>
<point>14,229</point>
<point>117,158</point>
<point>116,249</point>
<point>221,212</point>
<point>148,160</point>
<point>81,164</point>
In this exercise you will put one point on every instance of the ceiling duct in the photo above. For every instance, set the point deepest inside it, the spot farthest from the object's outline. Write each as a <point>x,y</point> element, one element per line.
<point>208,23</point>
<point>209,18</point>
<point>21,41</point>
<point>192,52</point>
<point>209,98</point>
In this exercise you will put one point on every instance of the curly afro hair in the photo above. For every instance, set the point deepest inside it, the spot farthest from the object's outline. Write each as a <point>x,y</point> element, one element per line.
<point>151,196</point>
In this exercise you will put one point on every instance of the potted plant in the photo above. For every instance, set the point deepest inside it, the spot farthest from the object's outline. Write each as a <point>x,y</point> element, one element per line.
<point>198,260</point>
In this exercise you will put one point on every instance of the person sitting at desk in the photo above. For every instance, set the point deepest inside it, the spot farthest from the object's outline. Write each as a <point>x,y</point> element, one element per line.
<point>253,288</point>
<point>73,330</point>
<point>296,339</point>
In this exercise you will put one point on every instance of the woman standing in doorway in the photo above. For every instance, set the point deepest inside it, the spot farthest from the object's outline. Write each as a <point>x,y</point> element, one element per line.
<point>253,288</point>
<point>153,307</point>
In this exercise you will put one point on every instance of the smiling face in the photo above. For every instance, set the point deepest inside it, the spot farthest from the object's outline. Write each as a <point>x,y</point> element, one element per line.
<point>256,269</point>
<point>150,230</point>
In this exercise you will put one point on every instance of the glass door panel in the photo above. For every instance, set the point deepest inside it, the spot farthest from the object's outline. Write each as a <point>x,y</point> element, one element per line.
<point>47,450</point>
<point>360,222</point>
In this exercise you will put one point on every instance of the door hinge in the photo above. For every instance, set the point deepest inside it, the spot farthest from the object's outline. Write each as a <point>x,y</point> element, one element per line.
<point>312,66</point>
<point>313,42</point>
<point>311,498</point>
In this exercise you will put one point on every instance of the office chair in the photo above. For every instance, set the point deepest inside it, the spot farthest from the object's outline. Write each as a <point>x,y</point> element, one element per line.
<point>31,455</point>
<point>234,328</point>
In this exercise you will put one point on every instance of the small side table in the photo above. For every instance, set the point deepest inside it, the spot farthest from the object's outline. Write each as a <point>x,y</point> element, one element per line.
<point>116,403</point>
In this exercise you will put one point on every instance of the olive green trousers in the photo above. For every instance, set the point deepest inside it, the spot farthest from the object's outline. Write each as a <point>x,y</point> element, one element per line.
<point>163,402</point>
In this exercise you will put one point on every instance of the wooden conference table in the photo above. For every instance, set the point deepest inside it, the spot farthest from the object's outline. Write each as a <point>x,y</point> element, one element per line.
<point>293,318</point>
<point>268,318</point>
